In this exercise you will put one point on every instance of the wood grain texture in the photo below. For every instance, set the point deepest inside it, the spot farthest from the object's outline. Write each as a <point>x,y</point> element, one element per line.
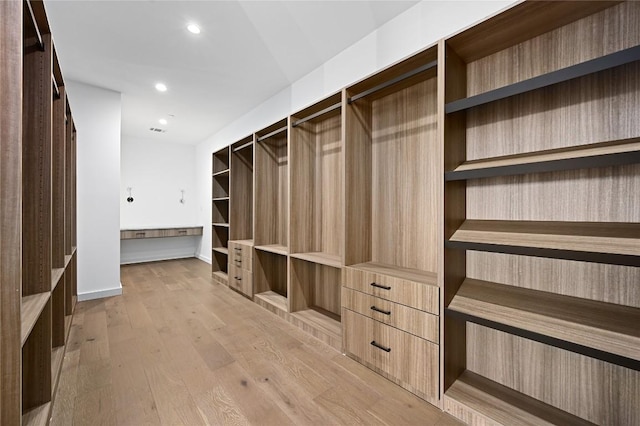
<point>313,285</point>
<point>613,238</point>
<point>410,288</point>
<point>604,326</point>
<point>321,258</point>
<point>479,401</point>
<point>57,316</point>
<point>36,363</point>
<point>36,168</point>
<point>579,41</point>
<point>571,382</point>
<point>127,234</point>
<point>270,273</point>
<point>220,211</point>
<point>10,209</point>
<point>412,362</point>
<point>58,168</point>
<point>241,192</point>
<point>31,308</point>
<point>220,160</point>
<point>220,186</point>
<point>69,182</point>
<point>418,323</point>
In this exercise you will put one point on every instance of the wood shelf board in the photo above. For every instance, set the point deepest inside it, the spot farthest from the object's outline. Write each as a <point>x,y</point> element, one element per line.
<point>620,152</point>
<point>483,399</point>
<point>604,326</point>
<point>243,242</point>
<point>601,237</point>
<point>30,312</point>
<point>220,199</point>
<point>220,224</point>
<point>67,259</point>
<point>57,356</point>
<point>221,274</point>
<point>221,173</point>
<point>274,299</point>
<point>409,274</point>
<point>274,248</point>
<point>321,258</point>
<point>222,250</point>
<point>321,320</point>
<point>56,274</point>
<point>38,416</point>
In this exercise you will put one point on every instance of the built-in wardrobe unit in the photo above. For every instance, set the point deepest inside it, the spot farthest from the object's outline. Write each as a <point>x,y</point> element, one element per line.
<point>465,222</point>
<point>37,215</point>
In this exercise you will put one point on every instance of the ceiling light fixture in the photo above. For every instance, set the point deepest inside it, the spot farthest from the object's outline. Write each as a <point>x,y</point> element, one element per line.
<point>161,87</point>
<point>162,121</point>
<point>193,28</point>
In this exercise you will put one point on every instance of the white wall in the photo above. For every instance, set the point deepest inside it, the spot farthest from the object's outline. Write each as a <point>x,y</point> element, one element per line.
<point>97,114</point>
<point>156,172</point>
<point>418,27</point>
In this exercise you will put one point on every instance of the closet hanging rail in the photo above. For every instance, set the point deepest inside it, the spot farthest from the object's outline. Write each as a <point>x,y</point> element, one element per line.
<point>275,132</point>
<point>35,25</point>
<point>317,114</point>
<point>243,146</point>
<point>393,81</point>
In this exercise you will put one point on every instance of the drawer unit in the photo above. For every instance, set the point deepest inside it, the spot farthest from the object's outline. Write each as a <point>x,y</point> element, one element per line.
<point>241,266</point>
<point>408,360</point>
<point>418,295</point>
<point>240,280</point>
<point>241,255</point>
<point>416,322</point>
<point>140,233</point>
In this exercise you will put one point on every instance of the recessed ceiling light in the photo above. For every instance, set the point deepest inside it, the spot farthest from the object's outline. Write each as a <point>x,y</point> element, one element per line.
<point>162,121</point>
<point>193,28</point>
<point>161,87</point>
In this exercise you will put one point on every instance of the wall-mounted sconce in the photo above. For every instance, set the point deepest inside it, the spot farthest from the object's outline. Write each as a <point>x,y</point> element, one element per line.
<point>130,197</point>
<point>182,200</point>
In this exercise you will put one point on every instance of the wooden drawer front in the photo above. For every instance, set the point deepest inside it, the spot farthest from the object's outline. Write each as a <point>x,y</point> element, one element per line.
<point>414,321</point>
<point>408,359</point>
<point>181,232</point>
<point>241,255</point>
<point>241,280</point>
<point>140,233</point>
<point>416,295</point>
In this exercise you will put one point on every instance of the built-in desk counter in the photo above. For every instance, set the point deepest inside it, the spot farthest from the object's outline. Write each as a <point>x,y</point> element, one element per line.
<point>139,233</point>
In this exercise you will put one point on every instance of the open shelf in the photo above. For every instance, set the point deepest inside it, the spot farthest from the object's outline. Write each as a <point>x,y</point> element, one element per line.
<point>274,248</point>
<point>617,243</point>
<point>220,161</point>
<point>321,321</point>
<point>241,189</point>
<point>270,278</point>
<point>274,299</point>
<point>30,311</point>
<point>479,400</point>
<point>602,63</point>
<point>327,259</point>
<point>408,274</point>
<point>37,416</point>
<point>220,224</point>
<point>223,250</point>
<point>603,326</point>
<point>604,154</point>
<point>220,199</point>
<point>221,274</point>
<point>221,173</point>
<point>56,274</point>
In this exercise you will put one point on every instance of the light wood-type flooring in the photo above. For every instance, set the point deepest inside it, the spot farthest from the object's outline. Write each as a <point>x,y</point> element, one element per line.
<point>176,349</point>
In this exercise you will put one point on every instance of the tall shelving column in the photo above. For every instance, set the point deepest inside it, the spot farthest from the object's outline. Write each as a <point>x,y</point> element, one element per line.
<point>542,232</point>
<point>220,216</point>
<point>390,293</point>
<point>317,232</point>
<point>271,226</point>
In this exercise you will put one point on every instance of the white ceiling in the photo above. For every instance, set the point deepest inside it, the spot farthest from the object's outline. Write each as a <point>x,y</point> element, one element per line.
<point>247,51</point>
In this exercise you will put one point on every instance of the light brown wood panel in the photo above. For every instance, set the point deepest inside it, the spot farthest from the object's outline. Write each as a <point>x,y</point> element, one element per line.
<point>220,211</point>
<point>36,167</point>
<point>587,195</point>
<point>572,382</point>
<point>316,186</point>
<point>600,237</point>
<point>594,281</point>
<point>10,209</point>
<point>271,191</point>
<point>69,182</point>
<point>220,160</point>
<point>604,326</point>
<point>36,363</point>
<point>220,186</point>
<point>596,108</point>
<point>404,151</point>
<point>320,257</point>
<point>30,310</point>
<point>241,191</point>
<point>270,273</point>
<point>57,316</point>
<point>58,197</point>
<point>412,362</point>
<point>314,285</point>
<point>418,323</point>
<point>582,40</point>
<point>417,290</point>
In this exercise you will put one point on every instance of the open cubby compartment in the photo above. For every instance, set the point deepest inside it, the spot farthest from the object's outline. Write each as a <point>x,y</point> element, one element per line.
<point>316,181</point>
<point>219,236</point>
<point>220,211</point>
<point>241,189</point>
<point>272,187</point>
<point>270,280</point>
<point>219,262</point>
<point>392,167</point>
<point>315,297</point>
<point>220,187</point>
<point>58,312</point>
<point>36,365</point>
<point>59,169</point>
<point>220,161</point>
<point>542,240</point>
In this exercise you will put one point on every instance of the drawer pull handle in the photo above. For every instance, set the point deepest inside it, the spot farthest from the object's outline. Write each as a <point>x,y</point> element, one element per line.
<point>238,278</point>
<point>237,249</point>
<point>373,308</point>
<point>384,287</point>
<point>379,346</point>
<point>182,232</point>
<point>140,234</point>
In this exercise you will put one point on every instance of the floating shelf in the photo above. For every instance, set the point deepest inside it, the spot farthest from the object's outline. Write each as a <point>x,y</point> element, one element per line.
<point>274,248</point>
<point>603,326</point>
<point>274,299</point>
<point>485,401</point>
<point>32,306</point>
<point>222,250</point>
<point>579,70</point>
<point>321,258</point>
<point>600,242</point>
<point>408,274</point>
<point>604,154</point>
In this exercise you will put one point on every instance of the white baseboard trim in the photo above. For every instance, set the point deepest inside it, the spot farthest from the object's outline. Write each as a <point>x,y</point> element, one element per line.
<point>204,258</point>
<point>146,259</point>
<point>100,294</point>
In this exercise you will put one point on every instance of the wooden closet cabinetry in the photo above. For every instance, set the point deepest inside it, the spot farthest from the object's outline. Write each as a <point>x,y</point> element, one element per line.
<point>240,266</point>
